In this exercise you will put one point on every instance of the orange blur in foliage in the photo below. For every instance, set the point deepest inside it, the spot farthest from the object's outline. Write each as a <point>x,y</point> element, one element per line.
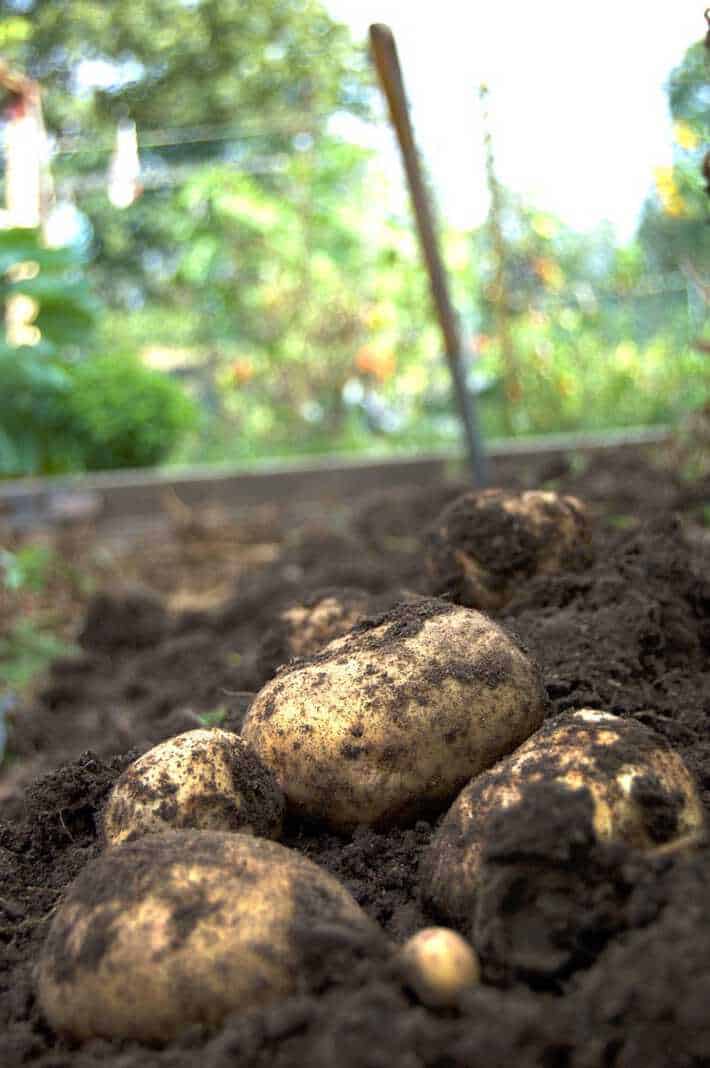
<point>549,272</point>
<point>667,190</point>
<point>241,371</point>
<point>370,361</point>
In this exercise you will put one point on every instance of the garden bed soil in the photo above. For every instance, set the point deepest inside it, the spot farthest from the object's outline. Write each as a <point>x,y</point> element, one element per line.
<point>593,955</point>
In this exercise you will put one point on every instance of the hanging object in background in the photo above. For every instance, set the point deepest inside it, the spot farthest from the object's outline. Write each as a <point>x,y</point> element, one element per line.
<point>124,184</point>
<point>28,191</point>
<point>706,158</point>
<point>66,225</point>
<point>22,163</point>
<point>28,185</point>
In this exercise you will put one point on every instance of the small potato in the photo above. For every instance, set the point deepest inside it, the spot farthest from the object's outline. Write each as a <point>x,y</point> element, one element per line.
<point>439,965</point>
<point>204,779</point>
<point>642,795</point>
<point>486,543</point>
<point>184,928</point>
<point>389,721</point>
<point>305,627</point>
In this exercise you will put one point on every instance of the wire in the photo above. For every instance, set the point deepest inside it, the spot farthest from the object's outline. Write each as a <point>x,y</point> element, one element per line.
<point>191,135</point>
<point>155,178</point>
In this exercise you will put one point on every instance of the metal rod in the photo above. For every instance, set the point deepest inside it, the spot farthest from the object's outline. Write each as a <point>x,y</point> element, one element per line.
<point>384,51</point>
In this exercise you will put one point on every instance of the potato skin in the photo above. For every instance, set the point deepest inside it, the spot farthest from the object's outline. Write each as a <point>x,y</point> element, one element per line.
<point>485,543</point>
<point>389,721</point>
<point>183,928</point>
<point>205,779</point>
<point>642,794</point>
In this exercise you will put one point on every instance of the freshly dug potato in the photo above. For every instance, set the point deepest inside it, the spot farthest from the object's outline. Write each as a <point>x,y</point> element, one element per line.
<point>389,721</point>
<point>485,543</point>
<point>439,965</point>
<point>305,627</point>
<point>183,928</point>
<point>642,795</point>
<point>206,779</point>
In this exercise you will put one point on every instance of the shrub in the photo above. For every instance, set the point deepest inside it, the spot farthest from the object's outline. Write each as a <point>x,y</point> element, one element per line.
<point>34,436</point>
<point>125,414</point>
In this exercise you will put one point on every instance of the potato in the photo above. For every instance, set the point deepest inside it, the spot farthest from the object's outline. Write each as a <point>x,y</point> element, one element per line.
<point>642,795</point>
<point>305,627</point>
<point>184,928</point>
<point>486,543</point>
<point>204,779</point>
<point>439,965</point>
<point>389,721</point>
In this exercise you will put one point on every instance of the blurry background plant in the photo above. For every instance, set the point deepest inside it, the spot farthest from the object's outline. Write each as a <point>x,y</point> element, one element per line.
<point>62,407</point>
<point>58,314</point>
<point>31,574</point>
<point>25,651</point>
<point>124,414</point>
<point>268,267</point>
<point>675,225</point>
<point>27,568</point>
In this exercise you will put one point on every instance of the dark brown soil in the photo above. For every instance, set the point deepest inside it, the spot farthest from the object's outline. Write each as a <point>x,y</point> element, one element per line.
<point>593,956</point>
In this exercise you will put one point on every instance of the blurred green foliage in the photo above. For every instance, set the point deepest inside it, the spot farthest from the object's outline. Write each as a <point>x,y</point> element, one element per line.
<point>36,434</point>
<point>26,569</point>
<point>61,407</point>
<point>67,310</point>
<point>600,342</point>
<point>272,70</point>
<point>124,414</point>
<point>189,61</point>
<point>675,226</point>
<point>288,287</point>
<point>214,717</point>
<point>327,340</point>
<point>272,275</point>
<point>26,650</point>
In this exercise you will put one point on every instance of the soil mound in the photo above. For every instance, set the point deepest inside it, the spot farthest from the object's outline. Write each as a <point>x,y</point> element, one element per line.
<point>593,955</point>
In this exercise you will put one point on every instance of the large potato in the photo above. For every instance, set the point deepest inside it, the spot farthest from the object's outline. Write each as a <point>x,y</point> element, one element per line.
<point>183,928</point>
<point>203,779</point>
<point>389,721</point>
<point>486,543</point>
<point>642,794</point>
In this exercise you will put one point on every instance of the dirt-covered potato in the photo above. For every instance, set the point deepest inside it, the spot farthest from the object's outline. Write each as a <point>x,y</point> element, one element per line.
<point>642,794</point>
<point>389,721</point>
<point>184,928</point>
<point>306,626</point>
<point>439,965</point>
<point>207,779</point>
<point>485,543</point>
